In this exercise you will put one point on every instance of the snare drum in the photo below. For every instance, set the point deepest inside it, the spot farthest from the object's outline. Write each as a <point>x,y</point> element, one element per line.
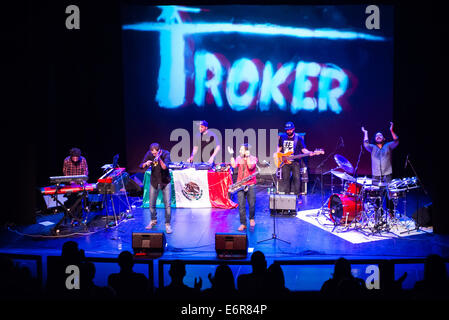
<point>353,189</point>
<point>371,192</point>
<point>344,209</point>
<point>396,193</point>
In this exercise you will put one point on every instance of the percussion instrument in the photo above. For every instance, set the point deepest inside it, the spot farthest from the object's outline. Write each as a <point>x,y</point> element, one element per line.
<point>353,189</point>
<point>344,209</point>
<point>371,192</point>
<point>342,175</point>
<point>344,163</point>
<point>396,193</point>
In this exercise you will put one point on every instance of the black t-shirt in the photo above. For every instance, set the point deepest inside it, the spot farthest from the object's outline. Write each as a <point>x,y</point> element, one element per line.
<point>288,144</point>
<point>206,139</point>
<point>158,175</point>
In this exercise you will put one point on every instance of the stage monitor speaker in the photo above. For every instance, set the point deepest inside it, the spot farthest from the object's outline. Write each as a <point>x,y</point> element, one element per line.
<point>283,203</point>
<point>150,244</point>
<point>231,245</point>
<point>423,216</point>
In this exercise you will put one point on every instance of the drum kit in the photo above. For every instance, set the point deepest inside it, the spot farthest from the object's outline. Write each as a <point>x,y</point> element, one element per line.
<point>360,204</point>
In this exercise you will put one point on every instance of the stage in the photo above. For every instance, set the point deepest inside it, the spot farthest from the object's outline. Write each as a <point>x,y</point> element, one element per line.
<point>194,232</point>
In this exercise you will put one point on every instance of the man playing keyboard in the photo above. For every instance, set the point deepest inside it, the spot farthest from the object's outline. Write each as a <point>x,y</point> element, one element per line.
<point>75,164</point>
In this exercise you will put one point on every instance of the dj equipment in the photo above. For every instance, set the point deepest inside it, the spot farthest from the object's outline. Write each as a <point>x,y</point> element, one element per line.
<point>231,245</point>
<point>178,165</point>
<point>186,165</point>
<point>203,166</point>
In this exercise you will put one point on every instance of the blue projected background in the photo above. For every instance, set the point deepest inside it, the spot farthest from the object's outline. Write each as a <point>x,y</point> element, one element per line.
<point>257,67</point>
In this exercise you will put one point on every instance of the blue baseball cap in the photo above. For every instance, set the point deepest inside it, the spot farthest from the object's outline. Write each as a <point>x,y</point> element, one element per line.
<point>289,125</point>
<point>204,123</point>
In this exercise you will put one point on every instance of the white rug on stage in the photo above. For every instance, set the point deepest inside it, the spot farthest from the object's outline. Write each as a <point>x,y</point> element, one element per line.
<point>404,228</point>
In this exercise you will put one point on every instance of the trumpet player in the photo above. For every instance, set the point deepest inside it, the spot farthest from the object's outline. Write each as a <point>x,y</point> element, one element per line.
<point>158,159</point>
<point>246,164</point>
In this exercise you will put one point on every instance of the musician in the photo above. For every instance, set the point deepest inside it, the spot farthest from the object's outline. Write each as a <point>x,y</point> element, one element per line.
<point>201,142</point>
<point>159,160</point>
<point>246,164</point>
<point>381,154</point>
<point>291,141</point>
<point>75,164</point>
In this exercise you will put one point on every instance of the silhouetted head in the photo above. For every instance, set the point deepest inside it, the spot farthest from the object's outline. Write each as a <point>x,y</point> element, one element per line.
<point>223,278</point>
<point>276,276</point>
<point>435,269</point>
<point>177,270</point>
<point>258,262</point>
<point>126,260</point>
<point>342,269</point>
<point>70,252</point>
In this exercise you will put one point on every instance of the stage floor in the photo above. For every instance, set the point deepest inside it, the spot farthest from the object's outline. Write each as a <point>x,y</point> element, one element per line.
<point>194,231</point>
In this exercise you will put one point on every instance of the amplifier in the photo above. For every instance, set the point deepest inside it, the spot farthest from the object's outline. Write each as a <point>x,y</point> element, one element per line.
<point>283,202</point>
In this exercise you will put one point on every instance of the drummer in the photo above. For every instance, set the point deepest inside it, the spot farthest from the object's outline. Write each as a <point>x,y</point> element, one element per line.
<point>381,155</point>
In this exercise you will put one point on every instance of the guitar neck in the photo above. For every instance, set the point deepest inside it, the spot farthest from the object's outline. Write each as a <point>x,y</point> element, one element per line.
<point>299,156</point>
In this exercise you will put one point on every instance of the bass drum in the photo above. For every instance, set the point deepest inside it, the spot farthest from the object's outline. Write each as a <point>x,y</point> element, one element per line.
<point>344,209</point>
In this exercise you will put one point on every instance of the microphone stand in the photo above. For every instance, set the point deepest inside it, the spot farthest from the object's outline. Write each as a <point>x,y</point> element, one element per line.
<point>274,235</point>
<point>320,166</point>
<point>355,179</point>
<point>421,186</point>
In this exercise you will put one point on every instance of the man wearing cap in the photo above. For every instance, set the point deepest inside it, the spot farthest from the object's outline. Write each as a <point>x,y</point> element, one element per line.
<point>291,141</point>
<point>202,140</point>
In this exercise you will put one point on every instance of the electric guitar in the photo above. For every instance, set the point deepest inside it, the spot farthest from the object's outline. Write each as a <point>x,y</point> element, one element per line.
<point>286,158</point>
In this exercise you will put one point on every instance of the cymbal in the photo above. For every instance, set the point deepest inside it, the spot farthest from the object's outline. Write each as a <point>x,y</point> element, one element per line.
<point>343,175</point>
<point>365,181</point>
<point>344,163</point>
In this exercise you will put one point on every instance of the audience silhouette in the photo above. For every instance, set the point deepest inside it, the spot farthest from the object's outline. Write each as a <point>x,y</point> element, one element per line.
<point>222,284</point>
<point>276,282</point>
<point>128,284</point>
<point>435,283</point>
<point>267,283</point>
<point>343,284</point>
<point>177,290</point>
<point>254,283</point>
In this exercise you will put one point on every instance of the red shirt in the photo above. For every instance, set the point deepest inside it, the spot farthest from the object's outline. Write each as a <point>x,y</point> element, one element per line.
<point>246,169</point>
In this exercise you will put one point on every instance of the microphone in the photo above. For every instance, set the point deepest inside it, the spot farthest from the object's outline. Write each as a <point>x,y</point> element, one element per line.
<point>406,162</point>
<point>342,142</point>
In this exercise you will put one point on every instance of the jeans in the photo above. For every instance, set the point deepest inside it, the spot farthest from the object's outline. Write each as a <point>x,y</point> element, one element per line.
<point>166,194</point>
<point>385,179</point>
<point>284,184</point>
<point>242,196</point>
